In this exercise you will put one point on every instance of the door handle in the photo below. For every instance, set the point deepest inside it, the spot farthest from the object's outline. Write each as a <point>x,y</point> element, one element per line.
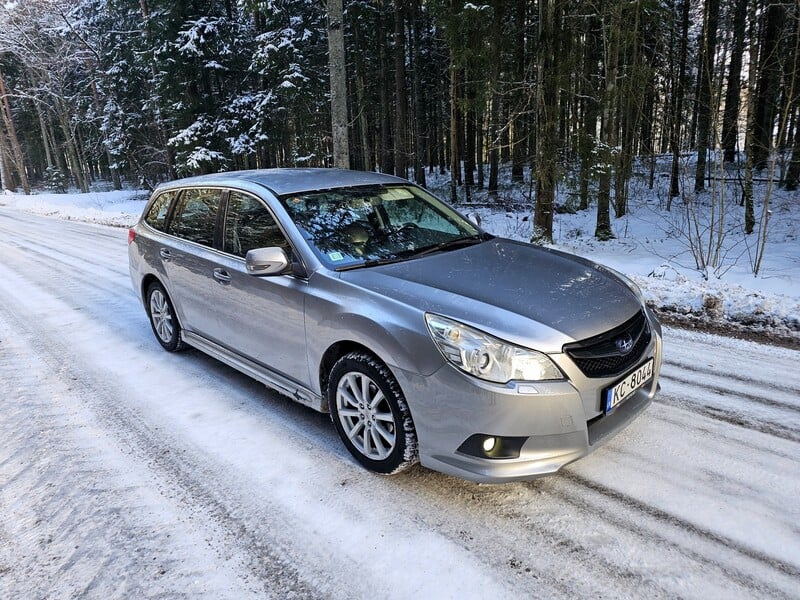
<point>165,254</point>
<point>222,276</point>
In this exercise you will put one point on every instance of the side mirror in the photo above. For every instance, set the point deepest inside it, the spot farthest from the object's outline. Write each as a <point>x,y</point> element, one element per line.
<point>266,261</point>
<point>475,218</point>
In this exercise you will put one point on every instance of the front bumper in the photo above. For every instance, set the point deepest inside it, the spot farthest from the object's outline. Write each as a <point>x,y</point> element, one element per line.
<point>562,421</point>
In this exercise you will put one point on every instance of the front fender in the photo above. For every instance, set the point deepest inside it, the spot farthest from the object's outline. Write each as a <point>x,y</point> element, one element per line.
<point>395,332</point>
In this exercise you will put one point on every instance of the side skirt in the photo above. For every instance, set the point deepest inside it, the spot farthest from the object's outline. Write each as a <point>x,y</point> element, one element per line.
<point>266,376</point>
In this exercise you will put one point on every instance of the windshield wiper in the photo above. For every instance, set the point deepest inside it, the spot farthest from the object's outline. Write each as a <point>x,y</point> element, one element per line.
<point>440,247</point>
<point>374,262</point>
<point>451,245</point>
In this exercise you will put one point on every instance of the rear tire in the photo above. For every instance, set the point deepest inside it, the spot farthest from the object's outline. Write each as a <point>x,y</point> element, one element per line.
<point>371,415</point>
<point>162,318</point>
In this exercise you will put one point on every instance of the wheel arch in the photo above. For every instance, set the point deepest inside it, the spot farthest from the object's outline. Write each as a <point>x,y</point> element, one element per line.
<point>147,280</point>
<point>333,353</point>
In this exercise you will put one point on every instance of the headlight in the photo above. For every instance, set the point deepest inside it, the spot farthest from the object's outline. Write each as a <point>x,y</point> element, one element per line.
<point>487,357</point>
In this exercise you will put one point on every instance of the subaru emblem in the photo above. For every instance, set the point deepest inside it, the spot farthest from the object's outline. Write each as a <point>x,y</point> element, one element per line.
<point>624,344</point>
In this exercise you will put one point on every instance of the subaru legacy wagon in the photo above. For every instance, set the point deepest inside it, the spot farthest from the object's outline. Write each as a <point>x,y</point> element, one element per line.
<point>426,338</point>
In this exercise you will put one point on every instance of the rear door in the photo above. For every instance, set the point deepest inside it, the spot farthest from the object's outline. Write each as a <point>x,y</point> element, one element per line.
<point>189,258</point>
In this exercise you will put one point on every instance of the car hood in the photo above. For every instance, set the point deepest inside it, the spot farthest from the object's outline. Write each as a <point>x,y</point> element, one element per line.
<point>523,293</point>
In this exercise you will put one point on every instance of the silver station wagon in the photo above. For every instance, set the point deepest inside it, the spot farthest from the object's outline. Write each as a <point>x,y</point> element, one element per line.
<point>427,339</point>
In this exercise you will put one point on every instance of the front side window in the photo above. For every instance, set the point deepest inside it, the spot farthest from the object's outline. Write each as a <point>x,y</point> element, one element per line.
<point>350,227</point>
<point>156,217</point>
<point>249,225</point>
<point>196,215</point>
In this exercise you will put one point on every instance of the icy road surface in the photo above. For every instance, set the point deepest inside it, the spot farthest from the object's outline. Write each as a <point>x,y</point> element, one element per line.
<point>126,471</point>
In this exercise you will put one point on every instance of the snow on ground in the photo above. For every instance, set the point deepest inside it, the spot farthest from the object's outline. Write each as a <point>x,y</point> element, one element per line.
<point>652,246</point>
<point>129,472</point>
<point>116,208</point>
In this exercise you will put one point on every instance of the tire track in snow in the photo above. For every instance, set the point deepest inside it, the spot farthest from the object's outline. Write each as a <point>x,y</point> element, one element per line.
<point>88,254</point>
<point>177,479</point>
<point>749,381</point>
<point>729,416</point>
<point>716,389</point>
<point>704,430</point>
<point>136,435</point>
<point>81,525</point>
<point>719,543</point>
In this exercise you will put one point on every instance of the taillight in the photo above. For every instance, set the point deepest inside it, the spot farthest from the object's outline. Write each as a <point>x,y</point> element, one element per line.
<point>131,235</point>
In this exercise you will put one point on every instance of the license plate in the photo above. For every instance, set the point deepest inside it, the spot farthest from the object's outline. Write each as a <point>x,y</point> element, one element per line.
<point>624,389</point>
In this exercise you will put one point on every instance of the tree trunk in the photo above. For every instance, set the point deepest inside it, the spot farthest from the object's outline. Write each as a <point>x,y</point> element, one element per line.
<point>629,115</point>
<point>588,135</point>
<point>730,119</point>
<point>362,108</point>
<point>788,127</point>
<point>400,145</point>
<point>13,140</point>
<point>455,164</point>
<point>420,139</point>
<point>5,178</point>
<point>115,178</point>
<point>336,64</point>
<point>547,111</point>
<point>705,97</point>
<point>747,192</point>
<point>160,128</point>
<point>520,104</point>
<point>677,106</point>
<point>495,109</point>
<point>479,182</point>
<point>75,166</point>
<point>494,141</point>
<point>469,144</point>
<point>768,84</point>
<point>46,143</point>
<point>387,151</point>
<point>609,127</point>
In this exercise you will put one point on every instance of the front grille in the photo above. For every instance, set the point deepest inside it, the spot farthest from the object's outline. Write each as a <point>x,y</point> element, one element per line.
<point>599,356</point>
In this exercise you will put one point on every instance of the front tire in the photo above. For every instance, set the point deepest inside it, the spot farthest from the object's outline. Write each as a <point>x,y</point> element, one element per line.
<point>162,318</point>
<point>371,415</point>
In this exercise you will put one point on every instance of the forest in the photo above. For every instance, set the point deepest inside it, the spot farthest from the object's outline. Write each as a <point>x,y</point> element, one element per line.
<point>135,92</point>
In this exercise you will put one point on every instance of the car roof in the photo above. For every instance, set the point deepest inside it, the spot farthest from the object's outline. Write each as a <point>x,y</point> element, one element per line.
<point>291,181</point>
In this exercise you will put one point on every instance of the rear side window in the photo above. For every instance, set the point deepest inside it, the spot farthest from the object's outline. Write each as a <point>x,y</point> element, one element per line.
<point>196,215</point>
<point>156,217</point>
<point>249,225</point>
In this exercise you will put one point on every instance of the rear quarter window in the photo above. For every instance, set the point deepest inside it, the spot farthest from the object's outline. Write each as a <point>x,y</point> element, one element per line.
<point>196,215</point>
<point>156,216</point>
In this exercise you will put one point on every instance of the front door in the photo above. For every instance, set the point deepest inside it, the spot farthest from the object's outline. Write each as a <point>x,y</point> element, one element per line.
<point>263,317</point>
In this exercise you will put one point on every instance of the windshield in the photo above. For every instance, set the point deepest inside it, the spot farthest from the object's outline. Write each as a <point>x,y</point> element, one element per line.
<point>350,227</point>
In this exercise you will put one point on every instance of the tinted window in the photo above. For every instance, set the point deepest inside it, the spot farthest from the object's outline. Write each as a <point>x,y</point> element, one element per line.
<point>196,215</point>
<point>157,215</point>
<point>249,225</point>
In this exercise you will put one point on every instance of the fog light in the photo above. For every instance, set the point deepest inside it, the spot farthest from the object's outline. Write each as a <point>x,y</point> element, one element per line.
<point>483,445</point>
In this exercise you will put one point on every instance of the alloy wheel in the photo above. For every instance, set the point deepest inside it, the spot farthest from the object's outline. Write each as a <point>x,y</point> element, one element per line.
<point>161,314</point>
<point>366,415</point>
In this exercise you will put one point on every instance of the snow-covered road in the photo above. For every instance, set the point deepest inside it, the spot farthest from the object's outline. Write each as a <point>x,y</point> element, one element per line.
<point>128,471</point>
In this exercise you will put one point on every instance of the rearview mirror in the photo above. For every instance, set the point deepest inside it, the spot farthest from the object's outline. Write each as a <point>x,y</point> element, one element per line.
<point>266,261</point>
